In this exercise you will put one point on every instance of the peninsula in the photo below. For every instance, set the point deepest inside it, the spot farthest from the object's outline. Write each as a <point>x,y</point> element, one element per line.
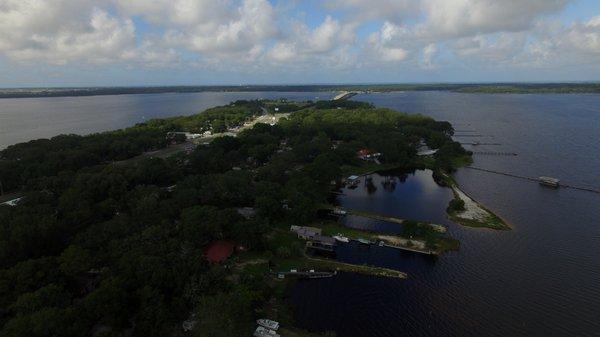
<point>184,223</point>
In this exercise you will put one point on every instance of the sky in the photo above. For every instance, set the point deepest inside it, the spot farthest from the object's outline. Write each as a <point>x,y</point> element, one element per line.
<point>46,43</point>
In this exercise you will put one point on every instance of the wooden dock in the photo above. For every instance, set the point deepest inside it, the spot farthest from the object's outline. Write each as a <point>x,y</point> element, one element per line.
<point>306,274</point>
<point>414,250</point>
<point>580,188</point>
<point>494,153</point>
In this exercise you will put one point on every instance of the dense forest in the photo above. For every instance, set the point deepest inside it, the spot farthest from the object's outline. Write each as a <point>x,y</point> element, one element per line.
<point>101,249</point>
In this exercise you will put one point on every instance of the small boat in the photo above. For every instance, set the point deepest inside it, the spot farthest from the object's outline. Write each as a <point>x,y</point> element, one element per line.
<point>264,332</point>
<point>363,241</point>
<point>339,237</point>
<point>267,323</point>
<point>339,211</point>
<point>381,243</point>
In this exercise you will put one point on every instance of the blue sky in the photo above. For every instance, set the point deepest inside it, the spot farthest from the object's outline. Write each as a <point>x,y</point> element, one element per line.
<point>196,42</point>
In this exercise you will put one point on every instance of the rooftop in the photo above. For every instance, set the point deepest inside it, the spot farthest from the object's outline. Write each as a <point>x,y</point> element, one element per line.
<point>219,251</point>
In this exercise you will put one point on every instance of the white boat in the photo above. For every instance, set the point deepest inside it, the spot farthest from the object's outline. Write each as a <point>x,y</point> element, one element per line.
<point>264,332</point>
<point>339,211</point>
<point>339,237</point>
<point>267,323</point>
<point>364,241</point>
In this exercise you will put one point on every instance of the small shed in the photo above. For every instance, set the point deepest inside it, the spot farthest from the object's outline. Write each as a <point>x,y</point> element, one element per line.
<point>219,251</point>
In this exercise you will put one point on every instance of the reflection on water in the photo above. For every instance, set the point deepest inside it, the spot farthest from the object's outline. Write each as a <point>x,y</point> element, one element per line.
<point>408,195</point>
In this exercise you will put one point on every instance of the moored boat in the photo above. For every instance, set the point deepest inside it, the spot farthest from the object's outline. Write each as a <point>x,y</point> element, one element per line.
<point>339,237</point>
<point>363,241</point>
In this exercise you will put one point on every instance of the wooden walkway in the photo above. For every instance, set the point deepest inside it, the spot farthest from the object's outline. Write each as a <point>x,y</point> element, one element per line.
<point>414,250</point>
<point>579,188</point>
<point>494,153</point>
<point>307,274</point>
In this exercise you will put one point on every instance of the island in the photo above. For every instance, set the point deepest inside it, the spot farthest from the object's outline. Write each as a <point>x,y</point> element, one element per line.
<point>199,225</point>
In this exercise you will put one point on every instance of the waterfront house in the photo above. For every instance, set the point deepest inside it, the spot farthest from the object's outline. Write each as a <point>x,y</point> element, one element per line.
<point>321,242</point>
<point>366,154</point>
<point>305,232</point>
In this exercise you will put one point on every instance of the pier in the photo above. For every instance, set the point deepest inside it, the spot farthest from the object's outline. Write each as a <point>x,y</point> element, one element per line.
<point>426,252</point>
<point>494,153</point>
<point>478,143</point>
<point>305,274</point>
<point>580,188</point>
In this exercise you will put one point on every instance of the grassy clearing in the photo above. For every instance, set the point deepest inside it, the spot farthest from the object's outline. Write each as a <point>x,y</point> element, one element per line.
<point>492,222</point>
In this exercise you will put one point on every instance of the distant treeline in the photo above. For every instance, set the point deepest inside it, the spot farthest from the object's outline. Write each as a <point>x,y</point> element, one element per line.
<point>455,87</point>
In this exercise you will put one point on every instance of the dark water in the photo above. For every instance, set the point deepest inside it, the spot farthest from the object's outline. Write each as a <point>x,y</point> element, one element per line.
<point>540,279</point>
<point>23,119</point>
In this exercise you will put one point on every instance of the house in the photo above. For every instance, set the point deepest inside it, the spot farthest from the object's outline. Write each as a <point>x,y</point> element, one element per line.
<point>366,154</point>
<point>363,154</point>
<point>321,242</point>
<point>219,251</point>
<point>305,232</point>
<point>246,212</point>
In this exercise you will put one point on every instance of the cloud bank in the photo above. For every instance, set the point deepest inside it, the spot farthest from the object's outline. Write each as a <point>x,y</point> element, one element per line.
<point>261,35</point>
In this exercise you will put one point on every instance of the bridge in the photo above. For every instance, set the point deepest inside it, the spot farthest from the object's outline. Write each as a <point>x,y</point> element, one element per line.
<point>344,95</point>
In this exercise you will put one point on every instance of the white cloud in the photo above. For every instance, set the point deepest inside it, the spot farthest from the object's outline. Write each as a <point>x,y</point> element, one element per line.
<point>428,55</point>
<point>459,18</point>
<point>390,10</point>
<point>321,45</point>
<point>248,35</point>
<point>62,31</point>
<point>389,44</point>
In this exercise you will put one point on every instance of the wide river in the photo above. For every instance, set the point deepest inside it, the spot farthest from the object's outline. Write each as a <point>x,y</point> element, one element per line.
<point>540,279</point>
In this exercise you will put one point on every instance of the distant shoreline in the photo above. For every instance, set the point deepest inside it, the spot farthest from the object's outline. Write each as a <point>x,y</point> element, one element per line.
<point>505,88</point>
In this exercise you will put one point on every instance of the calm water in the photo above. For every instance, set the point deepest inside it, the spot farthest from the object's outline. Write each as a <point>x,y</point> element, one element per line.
<point>540,279</point>
<point>23,119</point>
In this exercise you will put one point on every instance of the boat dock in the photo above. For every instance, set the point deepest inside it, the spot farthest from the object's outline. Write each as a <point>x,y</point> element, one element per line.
<point>426,252</point>
<point>312,274</point>
<point>494,153</point>
<point>478,143</point>
<point>382,243</point>
<point>548,181</point>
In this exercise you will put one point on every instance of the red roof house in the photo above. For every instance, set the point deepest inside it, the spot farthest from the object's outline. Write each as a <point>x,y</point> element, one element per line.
<point>219,251</point>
